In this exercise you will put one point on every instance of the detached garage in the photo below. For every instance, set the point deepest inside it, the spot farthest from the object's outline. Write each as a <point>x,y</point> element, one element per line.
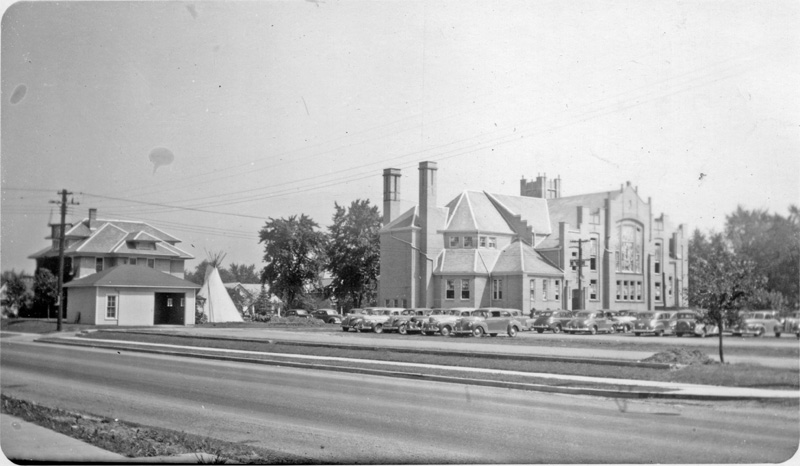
<point>131,295</point>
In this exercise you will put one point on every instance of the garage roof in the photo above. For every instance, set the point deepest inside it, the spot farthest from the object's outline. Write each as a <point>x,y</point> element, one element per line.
<point>132,276</point>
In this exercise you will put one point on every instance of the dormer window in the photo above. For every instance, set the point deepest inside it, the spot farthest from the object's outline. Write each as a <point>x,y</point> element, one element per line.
<point>468,242</point>
<point>98,264</point>
<point>482,241</point>
<point>454,241</point>
<point>492,242</point>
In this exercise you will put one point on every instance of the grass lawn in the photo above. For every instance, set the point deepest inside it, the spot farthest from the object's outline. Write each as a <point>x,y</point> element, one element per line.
<point>736,375</point>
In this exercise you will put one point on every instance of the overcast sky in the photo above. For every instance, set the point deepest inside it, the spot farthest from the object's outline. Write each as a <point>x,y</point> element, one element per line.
<point>248,110</point>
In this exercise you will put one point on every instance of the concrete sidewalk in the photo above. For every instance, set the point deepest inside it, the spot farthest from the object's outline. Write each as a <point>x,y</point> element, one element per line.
<point>24,441</point>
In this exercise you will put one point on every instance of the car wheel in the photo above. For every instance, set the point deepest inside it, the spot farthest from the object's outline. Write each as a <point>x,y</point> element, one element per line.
<point>659,333</point>
<point>344,329</point>
<point>512,331</point>
<point>593,330</point>
<point>540,330</point>
<point>678,335</point>
<point>759,333</point>
<point>777,334</point>
<point>557,329</point>
<point>403,329</point>
<point>446,331</point>
<point>638,334</point>
<point>379,328</point>
<point>478,332</point>
<point>492,334</point>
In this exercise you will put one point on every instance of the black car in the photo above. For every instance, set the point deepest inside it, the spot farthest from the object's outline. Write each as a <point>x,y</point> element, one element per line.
<point>329,316</point>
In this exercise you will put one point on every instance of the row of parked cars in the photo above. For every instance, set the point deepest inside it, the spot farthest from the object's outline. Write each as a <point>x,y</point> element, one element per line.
<point>493,321</point>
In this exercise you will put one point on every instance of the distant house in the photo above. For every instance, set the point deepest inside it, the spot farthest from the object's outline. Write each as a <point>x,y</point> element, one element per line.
<point>131,295</point>
<point>93,245</point>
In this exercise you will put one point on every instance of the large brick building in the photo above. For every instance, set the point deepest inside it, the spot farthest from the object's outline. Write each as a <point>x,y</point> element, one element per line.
<point>484,249</point>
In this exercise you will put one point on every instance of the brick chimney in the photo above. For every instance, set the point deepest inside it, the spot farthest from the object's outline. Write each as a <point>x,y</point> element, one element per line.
<point>92,217</point>
<point>391,194</point>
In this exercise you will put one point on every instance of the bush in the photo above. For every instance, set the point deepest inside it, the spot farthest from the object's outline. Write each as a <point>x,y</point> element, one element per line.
<point>681,357</point>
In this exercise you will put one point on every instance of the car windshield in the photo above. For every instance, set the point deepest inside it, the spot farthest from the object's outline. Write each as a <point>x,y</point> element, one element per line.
<point>645,315</point>
<point>438,312</point>
<point>584,315</point>
<point>687,315</point>
<point>546,314</point>
<point>480,313</point>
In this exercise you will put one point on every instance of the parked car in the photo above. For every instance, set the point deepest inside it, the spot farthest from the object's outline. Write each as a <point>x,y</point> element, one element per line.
<point>444,323</point>
<point>659,323</point>
<point>302,313</point>
<point>329,316</point>
<point>759,323</point>
<point>552,320</point>
<point>524,320</point>
<point>623,320</point>
<point>791,324</point>
<point>689,324</point>
<point>415,323</point>
<point>375,321</point>
<point>590,322</point>
<point>353,317</point>
<point>491,321</point>
<point>399,323</point>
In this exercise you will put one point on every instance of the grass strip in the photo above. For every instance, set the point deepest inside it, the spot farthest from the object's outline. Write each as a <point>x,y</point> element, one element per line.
<point>736,375</point>
<point>137,441</point>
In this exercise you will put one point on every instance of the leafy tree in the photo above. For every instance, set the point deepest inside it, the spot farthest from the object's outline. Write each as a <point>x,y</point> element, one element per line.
<point>772,243</point>
<point>295,255</point>
<point>353,251</point>
<point>17,295</point>
<point>720,282</point>
<point>242,273</point>
<point>45,290</point>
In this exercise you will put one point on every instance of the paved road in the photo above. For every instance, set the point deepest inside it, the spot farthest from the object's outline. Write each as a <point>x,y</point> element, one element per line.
<point>346,418</point>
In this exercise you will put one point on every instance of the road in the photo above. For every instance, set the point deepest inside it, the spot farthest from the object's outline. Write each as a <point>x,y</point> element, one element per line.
<point>337,417</point>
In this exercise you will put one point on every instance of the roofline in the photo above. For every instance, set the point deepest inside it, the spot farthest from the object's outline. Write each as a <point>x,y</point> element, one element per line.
<point>96,232</point>
<point>80,285</point>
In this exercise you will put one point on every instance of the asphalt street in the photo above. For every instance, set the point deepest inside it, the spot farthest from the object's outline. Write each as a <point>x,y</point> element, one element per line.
<point>357,418</point>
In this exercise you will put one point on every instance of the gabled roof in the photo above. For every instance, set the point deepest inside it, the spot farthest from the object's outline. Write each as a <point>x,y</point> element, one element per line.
<point>519,257</point>
<point>407,219</point>
<point>131,276</point>
<point>474,211</point>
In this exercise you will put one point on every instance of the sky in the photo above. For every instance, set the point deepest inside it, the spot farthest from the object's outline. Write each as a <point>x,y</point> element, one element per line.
<point>206,119</point>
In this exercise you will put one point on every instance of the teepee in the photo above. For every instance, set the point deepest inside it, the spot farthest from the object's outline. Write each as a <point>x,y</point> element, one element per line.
<point>218,306</point>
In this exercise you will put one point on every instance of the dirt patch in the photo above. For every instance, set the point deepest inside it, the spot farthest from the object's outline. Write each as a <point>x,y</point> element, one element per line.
<point>682,357</point>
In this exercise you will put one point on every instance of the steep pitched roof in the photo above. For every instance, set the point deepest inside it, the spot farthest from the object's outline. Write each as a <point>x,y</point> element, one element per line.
<point>519,257</point>
<point>473,211</point>
<point>131,276</point>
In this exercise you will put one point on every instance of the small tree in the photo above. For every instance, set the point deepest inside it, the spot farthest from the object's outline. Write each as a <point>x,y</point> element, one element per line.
<point>721,282</point>
<point>295,256</point>
<point>45,290</point>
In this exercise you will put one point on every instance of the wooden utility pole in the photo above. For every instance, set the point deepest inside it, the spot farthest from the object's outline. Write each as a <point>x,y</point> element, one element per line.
<point>63,204</point>
<point>579,264</point>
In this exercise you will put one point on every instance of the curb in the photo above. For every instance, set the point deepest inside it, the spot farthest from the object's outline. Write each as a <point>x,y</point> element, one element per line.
<point>518,357</point>
<point>618,393</point>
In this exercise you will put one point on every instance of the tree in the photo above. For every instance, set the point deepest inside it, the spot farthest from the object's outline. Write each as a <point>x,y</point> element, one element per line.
<point>45,290</point>
<point>353,251</point>
<point>17,296</point>
<point>243,273</point>
<point>720,282</point>
<point>772,243</point>
<point>294,252</point>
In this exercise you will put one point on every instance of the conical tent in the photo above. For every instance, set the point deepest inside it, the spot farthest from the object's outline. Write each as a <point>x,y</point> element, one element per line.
<point>218,306</point>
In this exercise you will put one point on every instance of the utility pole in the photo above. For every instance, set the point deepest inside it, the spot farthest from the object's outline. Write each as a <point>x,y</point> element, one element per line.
<point>579,264</point>
<point>63,204</point>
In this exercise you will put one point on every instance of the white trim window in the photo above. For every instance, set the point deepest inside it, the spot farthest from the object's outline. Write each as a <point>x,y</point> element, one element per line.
<point>111,306</point>
<point>557,290</point>
<point>593,290</point>
<point>497,289</point>
<point>465,289</point>
<point>468,242</point>
<point>533,290</point>
<point>449,289</point>
<point>544,289</point>
<point>482,241</point>
<point>98,264</point>
<point>492,242</point>
<point>454,241</point>
<point>151,263</point>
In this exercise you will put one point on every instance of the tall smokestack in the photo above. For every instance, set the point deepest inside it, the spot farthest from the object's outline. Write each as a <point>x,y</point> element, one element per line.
<point>427,203</point>
<point>391,194</point>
